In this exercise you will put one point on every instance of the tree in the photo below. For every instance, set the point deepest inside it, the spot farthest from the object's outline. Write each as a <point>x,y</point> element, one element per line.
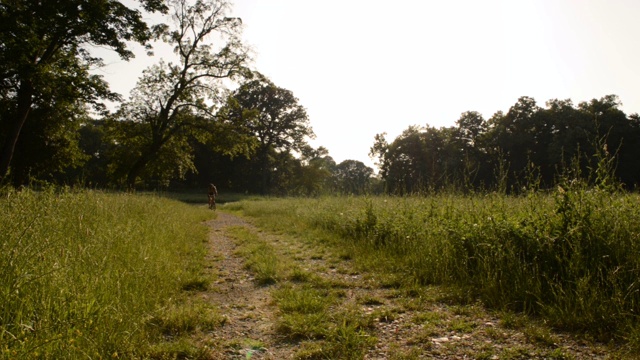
<point>519,139</point>
<point>471,126</point>
<point>619,133</point>
<point>470,138</point>
<point>273,116</point>
<point>43,47</point>
<point>49,148</point>
<point>353,177</point>
<point>316,169</point>
<point>171,100</point>
<point>402,163</point>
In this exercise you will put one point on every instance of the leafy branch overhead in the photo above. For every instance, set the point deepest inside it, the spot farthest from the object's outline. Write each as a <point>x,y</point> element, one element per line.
<point>41,40</point>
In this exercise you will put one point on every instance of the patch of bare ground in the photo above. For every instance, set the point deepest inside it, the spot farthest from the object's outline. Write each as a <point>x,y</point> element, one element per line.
<point>406,322</point>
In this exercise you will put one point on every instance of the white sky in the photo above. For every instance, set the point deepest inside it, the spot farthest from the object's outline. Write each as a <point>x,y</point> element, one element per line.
<point>362,67</point>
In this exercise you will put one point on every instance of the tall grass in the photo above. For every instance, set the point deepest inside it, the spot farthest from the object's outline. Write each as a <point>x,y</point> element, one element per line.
<point>81,273</point>
<point>571,255</point>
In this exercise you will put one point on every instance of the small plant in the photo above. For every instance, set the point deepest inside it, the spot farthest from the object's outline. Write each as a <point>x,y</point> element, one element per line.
<point>303,300</point>
<point>539,335</point>
<point>197,283</point>
<point>296,326</point>
<point>299,275</point>
<point>181,319</point>
<point>371,301</point>
<point>412,354</point>
<point>261,259</point>
<point>348,341</point>
<point>461,326</point>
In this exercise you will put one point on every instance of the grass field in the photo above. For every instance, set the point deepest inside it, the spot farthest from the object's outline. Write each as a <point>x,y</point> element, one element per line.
<point>570,257</point>
<point>94,275</point>
<point>87,274</point>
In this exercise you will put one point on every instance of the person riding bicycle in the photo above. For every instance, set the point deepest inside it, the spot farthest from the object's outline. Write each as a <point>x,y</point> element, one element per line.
<point>213,192</point>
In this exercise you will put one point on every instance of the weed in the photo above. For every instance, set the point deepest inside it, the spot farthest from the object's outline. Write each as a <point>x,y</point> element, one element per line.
<point>299,275</point>
<point>303,300</point>
<point>198,283</point>
<point>261,259</point>
<point>539,335</point>
<point>411,354</point>
<point>348,341</point>
<point>296,326</point>
<point>371,301</point>
<point>429,317</point>
<point>181,319</point>
<point>461,326</point>
<point>511,320</point>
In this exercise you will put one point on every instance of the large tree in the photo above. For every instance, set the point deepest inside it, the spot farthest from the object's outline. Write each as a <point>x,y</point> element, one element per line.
<point>273,116</point>
<point>171,100</point>
<point>43,41</point>
<point>353,177</point>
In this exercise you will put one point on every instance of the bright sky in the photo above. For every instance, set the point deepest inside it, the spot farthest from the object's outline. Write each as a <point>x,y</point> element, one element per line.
<point>362,67</point>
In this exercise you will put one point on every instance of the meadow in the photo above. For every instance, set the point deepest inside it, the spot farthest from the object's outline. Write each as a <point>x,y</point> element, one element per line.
<point>87,274</point>
<point>569,257</point>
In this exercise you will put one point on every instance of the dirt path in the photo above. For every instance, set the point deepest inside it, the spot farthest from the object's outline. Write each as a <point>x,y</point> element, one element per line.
<point>406,323</point>
<point>248,330</point>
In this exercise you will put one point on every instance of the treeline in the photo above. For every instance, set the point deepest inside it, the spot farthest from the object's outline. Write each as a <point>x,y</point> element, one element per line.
<point>528,146</point>
<point>181,126</point>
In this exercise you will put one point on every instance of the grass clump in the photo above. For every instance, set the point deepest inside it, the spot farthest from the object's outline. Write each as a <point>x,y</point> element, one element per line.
<point>181,319</point>
<point>82,272</point>
<point>261,258</point>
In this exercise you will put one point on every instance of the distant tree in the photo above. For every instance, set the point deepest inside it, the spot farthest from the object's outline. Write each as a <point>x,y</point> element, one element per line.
<point>403,162</point>
<point>619,132</point>
<point>172,101</point>
<point>43,50</point>
<point>379,149</point>
<point>273,116</point>
<point>353,177</point>
<point>527,147</point>
<point>520,138</point>
<point>471,126</point>
<point>315,172</point>
<point>94,144</point>
<point>469,137</point>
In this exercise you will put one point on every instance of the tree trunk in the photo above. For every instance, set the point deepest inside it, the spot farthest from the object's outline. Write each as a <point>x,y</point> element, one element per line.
<point>25,98</point>
<point>137,168</point>
<point>142,162</point>
<point>264,173</point>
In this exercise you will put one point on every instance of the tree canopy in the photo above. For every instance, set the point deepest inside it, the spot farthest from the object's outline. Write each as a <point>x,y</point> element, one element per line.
<point>527,144</point>
<point>273,116</point>
<point>206,115</point>
<point>44,56</point>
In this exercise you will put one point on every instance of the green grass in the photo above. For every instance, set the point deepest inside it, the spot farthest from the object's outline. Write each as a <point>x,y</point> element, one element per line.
<point>84,274</point>
<point>261,259</point>
<point>570,256</point>
<point>306,303</point>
